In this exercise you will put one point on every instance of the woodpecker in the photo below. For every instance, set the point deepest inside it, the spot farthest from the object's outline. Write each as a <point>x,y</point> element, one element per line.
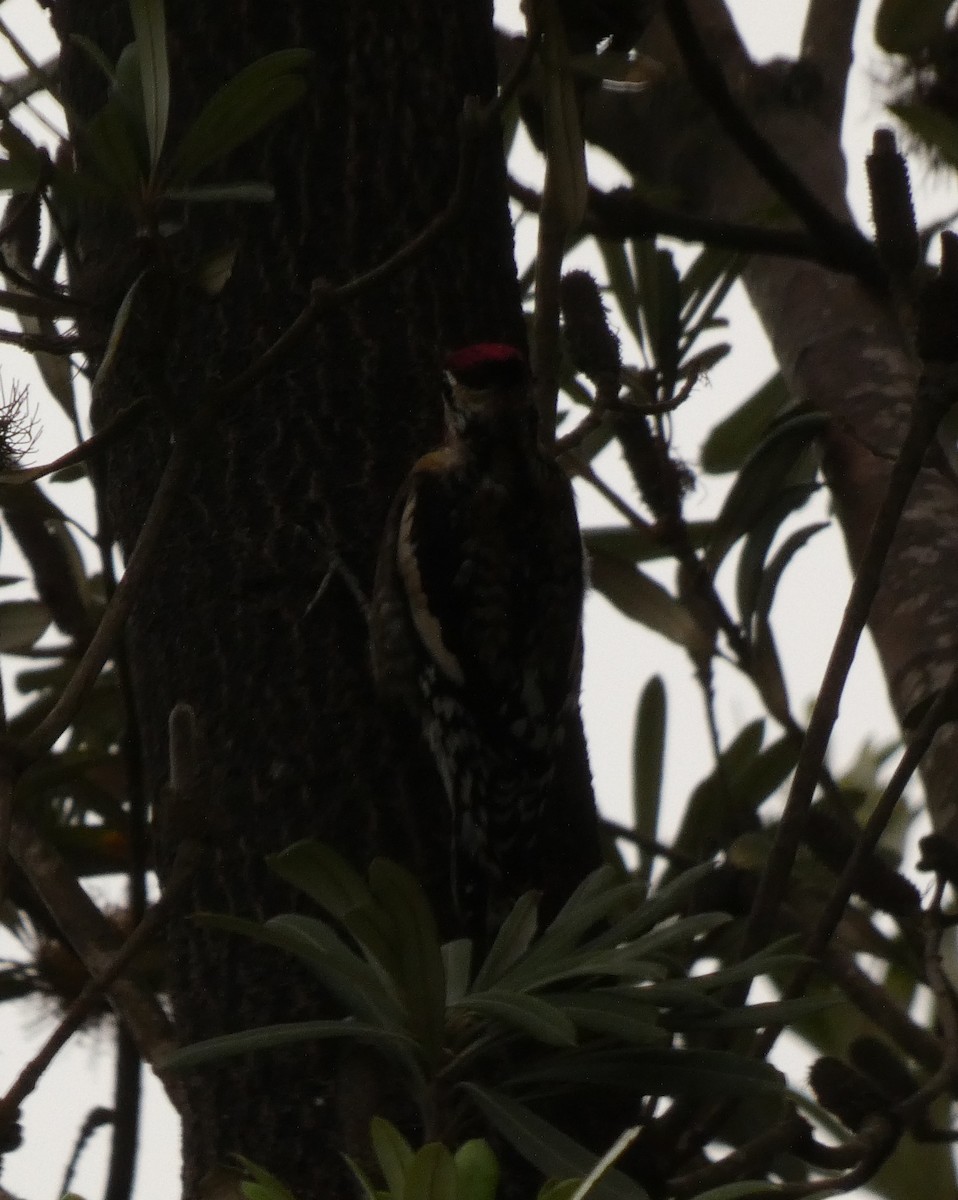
<point>476,620</point>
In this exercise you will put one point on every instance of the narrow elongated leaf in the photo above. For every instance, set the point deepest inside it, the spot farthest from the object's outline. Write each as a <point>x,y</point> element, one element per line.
<point>358,984</point>
<point>611,1156</point>
<point>755,1016</point>
<point>457,964</point>
<point>22,624</point>
<point>762,478</point>
<point>431,1174</point>
<point>635,545</point>
<point>111,140</point>
<point>239,110</point>
<point>325,876</point>
<point>780,560</point>
<point>664,902</point>
<point>731,441</point>
<point>149,29</point>
<point>623,285</point>
<point>421,976</point>
<point>477,1170</point>
<point>512,941</point>
<point>269,1185</point>
<point>393,1153</point>
<point>623,1013</point>
<point>592,901</point>
<point>527,1014</point>
<point>648,757</point>
<point>642,599</point>
<point>551,1151</point>
<point>117,330</point>
<point>275,1037</point>
<point>751,563</point>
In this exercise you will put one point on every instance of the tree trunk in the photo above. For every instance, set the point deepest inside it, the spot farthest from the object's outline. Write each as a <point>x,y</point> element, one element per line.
<point>294,741</point>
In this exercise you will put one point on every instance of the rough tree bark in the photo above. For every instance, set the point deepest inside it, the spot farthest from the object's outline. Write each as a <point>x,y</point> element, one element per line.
<point>842,350</point>
<point>294,741</point>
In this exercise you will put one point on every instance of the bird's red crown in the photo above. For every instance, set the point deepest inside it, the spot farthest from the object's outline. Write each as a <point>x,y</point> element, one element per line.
<point>487,364</point>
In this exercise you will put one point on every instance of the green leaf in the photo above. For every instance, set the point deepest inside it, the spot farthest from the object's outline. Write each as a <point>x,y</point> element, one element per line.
<point>421,975</point>
<point>663,903</point>
<point>611,1156</point>
<point>457,965</point>
<point>599,894</point>
<point>762,478</point>
<point>621,1012</point>
<point>704,289</point>
<point>239,110</point>
<point>22,624</point>
<point>732,440</point>
<point>622,282</point>
<point>393,1153</point>
<point>776,568</point>
<point>661,303</point>
<point>907,26</point>
<point>431,1175</point>
<point>267,1183</point>
<point>642,599</point>
<point>275,1037</point>
<point>95,55</point>
<point>930,126</point>
<point>527,1014</point>
<point>633,544</point>
<point>115,339</point>
<point>319,872</point>
<point>477,1170</point>
<point>755,1016</point>
<point>110,138</point>
<point>547,1148</point>
<point>369,1191</point>
<point>358,984</point>
<point>751,564</point>
<point>512,941</point>
<point>149,28</point>
<point>648,757</point>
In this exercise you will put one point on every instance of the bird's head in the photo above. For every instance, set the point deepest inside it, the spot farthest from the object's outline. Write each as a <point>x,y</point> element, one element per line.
<point>488,392</point>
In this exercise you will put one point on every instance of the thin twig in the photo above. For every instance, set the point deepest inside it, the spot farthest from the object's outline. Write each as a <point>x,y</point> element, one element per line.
<point>928,411</point>
<point>95,444</point>
<point>60,344</point>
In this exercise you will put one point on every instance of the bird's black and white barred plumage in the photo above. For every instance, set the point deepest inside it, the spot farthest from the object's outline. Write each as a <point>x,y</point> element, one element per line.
<point>476,616</point>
